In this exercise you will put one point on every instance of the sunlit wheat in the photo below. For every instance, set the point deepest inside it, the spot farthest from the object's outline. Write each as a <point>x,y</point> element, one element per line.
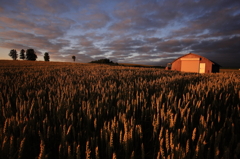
<point>66,110</point>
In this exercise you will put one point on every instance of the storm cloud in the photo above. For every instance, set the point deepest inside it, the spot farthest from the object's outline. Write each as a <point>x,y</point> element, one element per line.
<point>142,32</point>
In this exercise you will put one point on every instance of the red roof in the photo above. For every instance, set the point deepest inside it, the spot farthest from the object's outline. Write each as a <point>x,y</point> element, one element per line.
<point>195,55</point>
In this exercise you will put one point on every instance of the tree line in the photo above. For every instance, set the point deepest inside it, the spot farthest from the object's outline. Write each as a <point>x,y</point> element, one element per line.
<point>105,61</point>
<point>30,55</point>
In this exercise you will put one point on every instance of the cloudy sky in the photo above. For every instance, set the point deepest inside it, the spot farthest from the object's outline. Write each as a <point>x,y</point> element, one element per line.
<point>126,31</point>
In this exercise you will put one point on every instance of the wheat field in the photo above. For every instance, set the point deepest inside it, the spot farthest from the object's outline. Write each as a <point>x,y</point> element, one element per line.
<point>72,111</point>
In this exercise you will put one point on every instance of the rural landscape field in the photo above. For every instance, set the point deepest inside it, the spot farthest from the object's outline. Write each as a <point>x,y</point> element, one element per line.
<point>62,110</point>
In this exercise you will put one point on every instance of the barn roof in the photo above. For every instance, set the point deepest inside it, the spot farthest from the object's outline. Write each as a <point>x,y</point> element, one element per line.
<point>215,63</point>
<point>198,56</point>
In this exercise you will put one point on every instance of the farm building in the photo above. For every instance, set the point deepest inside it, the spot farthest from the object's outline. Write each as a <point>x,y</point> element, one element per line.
<point>194,63</point>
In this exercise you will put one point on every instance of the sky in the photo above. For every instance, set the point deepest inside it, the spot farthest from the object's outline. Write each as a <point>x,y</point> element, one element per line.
<point>152,32</point>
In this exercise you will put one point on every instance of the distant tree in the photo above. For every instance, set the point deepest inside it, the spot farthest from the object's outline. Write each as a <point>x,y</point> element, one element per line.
<point>74,58</point>
<point>13,54</point>
<point>104,61</point>
<point>22,55</point>
<point>46,56</point>
<point>31,55</point>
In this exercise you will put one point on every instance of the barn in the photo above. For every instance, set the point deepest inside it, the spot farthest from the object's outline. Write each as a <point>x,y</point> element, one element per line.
<point>194,63</point>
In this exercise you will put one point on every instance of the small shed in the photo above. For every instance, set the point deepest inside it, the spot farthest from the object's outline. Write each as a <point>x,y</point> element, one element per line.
<point>194,63</point>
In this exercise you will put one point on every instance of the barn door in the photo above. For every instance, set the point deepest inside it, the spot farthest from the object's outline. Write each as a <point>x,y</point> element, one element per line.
<point>202,68</point>
<point>190,65</point>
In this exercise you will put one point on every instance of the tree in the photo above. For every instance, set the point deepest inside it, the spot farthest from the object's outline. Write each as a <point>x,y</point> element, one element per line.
<point>13,54</point>
<point>31,55</point>
<point>74,58</point>
<point>22,55</point>
<point>46,56</point>
<point>103,61</point>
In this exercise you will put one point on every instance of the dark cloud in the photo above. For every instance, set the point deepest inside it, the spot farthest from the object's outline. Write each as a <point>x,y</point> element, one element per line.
<point>16,35</point>
<point>223,51</point>
<point>21,40</point>
<point>95,36</point>
<point>12,23</point>
<point>144,49</point>
<point>40,26</point>
<point>93,51</point>
<point>225,45</point>
<point>138,17</point>
<point>153,40</point>
<point>49,6</point>
<point>127,44</point>
<point>94,20</point>
<point>144,32</point>
<point>175,45</point>
<point>212,20</point>
<point>12,45</point>
<point>85,42</point>
<point>1,9</point>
